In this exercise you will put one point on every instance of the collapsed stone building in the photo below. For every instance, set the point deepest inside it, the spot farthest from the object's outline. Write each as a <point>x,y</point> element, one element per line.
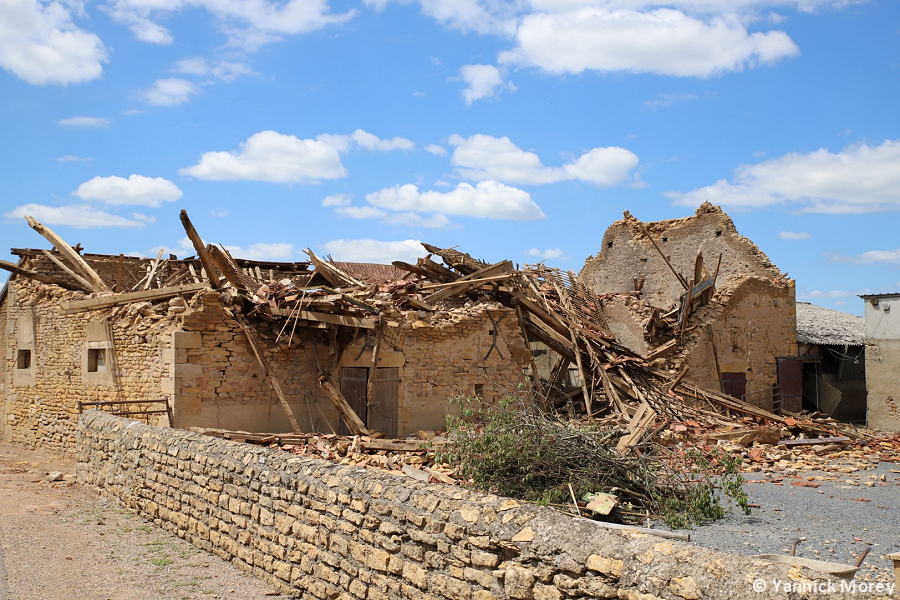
<point>699,296</point>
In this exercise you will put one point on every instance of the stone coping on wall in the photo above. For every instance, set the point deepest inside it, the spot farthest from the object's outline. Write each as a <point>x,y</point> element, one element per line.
<point>325,530</point>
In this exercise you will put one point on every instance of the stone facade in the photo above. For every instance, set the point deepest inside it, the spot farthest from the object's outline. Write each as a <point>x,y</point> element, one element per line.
<point>752,314</point>
<point>323,530</point>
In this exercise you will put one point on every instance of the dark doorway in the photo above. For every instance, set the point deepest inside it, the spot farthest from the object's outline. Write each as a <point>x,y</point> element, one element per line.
<point>381,414</point>
<point>790,381</point>
<point>735,384</point>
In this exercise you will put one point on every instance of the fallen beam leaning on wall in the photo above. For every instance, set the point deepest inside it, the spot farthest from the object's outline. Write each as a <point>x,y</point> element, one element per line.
<point>69,308</point>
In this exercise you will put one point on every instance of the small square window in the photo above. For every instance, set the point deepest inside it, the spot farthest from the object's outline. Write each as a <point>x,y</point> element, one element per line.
<point>23,359</point>
<point>96,360</point>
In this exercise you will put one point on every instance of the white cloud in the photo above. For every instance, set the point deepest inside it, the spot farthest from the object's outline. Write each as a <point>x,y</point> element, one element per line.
<point>488,199</point>
<point>693,6</point>
<point>136,190</point>
<point>274,157</point>
<point>224,70</point>
<point>467,15</point>
<point>248,23</point>
<point>436,150</point>
<point>374,251</point>
<point>40,44</point>
<point>483,81</point>
<point>872,257</point>
<point>281,252</point>
<point>408,219</point>
<point>220,214</point>
<point>662,41</point>
<point>72,158</point>
<point>548,253</point>
<point>369,141</point>
<point>84,123</point>
<point>824,294</point>
<point>794,235</point>
<point>79,216</point>
<point>859,179</point>
<point>482,157</point>
<point>337,200</point>
<point>169,92</point>
<point>668,99</point>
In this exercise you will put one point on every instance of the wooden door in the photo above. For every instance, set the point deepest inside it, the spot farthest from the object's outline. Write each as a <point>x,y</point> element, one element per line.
<point>382,414</point>
<point>353,388</point>
<point>790,381</point>
<point>735,384</point>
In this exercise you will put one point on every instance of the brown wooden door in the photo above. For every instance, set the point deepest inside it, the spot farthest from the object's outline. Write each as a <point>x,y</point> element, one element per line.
<point>790,381</point>
<point>353,388</point>
<point>735,384</point>
<point>383,409</point>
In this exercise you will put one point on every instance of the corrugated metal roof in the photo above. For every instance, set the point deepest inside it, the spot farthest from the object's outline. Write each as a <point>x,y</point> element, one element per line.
<point>817,325</point>
<point>370,272</point>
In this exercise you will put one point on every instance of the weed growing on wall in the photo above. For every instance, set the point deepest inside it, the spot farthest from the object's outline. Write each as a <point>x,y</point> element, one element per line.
<point>513,448</point>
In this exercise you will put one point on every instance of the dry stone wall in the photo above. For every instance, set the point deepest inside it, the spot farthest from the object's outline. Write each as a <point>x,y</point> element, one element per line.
<point>326,531</point>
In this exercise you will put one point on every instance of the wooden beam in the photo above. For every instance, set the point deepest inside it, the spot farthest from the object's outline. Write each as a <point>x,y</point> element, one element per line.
<point>260,357</point>
<point>96,284</point>
<point>437,269</point>
<point>715,351</point>
<point>82,282</point>
<point>200,249</point>
<point>370,388</point>
<point>321,317</point>
<point>330,272</point>
<point>153,269</point>
<point>438,286</point>
<point>224,266</point>
<point>469,282</point>
<point>661,350</point>
<point>78,306</point>
<point>412,268</point>
<point>12,268</point>
<point>354,423</point>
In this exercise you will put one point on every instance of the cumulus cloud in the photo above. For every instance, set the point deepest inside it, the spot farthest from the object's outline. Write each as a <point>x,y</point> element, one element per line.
<point>668,99</point>
<point>84,123</point>
<point>859,179</point>
<point>662,41</point>
<point>136,190</point>
<point>483,81</point>
<point>40,44</point>
<point>486,200</point>
<point>281,252</point>
<point>467,15</point>
<point>872,257</point>
<point>249,23</point>
<point>824,294</point>
<point>169,92</point>
<point>482,157</point>
<point>409,219</point>
<point>79,216</point>
<point>274,157</point>
<point>337,200</point>
<point>436,150</point>
<point>545,254</point>
<point>225,70</point>
<point>370,141</point>
<point>794,235</point>
<point>374,251</point>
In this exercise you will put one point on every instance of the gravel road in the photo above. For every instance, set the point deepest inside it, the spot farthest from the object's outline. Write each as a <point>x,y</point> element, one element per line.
<point>835,514</point>
<point>61,540</point>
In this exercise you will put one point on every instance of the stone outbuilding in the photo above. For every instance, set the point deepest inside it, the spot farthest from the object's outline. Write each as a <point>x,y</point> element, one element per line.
<point>882,360</point>
<point>184,359</point>
<point>742,323</point>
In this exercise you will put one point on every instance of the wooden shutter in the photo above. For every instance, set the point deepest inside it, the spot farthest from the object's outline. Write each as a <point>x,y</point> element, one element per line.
<point>353,388</point>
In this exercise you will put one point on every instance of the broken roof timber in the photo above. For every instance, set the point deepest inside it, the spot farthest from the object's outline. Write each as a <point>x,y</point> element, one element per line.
<point>69,308</point>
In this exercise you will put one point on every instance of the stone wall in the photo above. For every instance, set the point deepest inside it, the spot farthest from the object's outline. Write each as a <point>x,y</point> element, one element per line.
<point>882,358</point>
<point>324,530</point>
<point>40,403</point>
<point>626,253</point>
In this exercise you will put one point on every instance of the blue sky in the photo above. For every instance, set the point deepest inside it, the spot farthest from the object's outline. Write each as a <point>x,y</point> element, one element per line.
<point>514,130</point>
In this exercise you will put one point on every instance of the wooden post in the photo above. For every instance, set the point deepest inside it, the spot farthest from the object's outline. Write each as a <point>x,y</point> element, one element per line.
<point>265,365</point>
<point>712,341</point>
<point>153,268</point>
<point>202,254</point>
<point>69,254</point>
<point>370,388</point>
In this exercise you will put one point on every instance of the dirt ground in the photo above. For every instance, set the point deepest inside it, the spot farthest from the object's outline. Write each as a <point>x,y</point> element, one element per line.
<point>61,540</point>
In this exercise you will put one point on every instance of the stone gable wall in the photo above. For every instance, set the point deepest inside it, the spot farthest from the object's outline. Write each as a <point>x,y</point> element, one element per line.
<point>323,530</point>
